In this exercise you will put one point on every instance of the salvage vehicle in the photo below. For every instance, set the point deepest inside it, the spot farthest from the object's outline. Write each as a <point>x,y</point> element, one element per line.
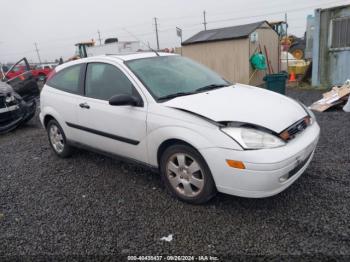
<point>201,132</point>
<point>15,71</point>
<point>42,71</point>
<point>17,97</point>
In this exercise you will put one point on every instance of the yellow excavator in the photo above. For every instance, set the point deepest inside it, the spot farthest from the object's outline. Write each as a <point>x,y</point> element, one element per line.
<point>294,45</point>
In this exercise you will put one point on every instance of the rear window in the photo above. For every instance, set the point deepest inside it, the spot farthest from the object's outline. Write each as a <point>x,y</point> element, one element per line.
<point>67,79</point>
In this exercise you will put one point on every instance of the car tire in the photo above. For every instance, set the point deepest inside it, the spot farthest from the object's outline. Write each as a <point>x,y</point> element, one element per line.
<point>186,174</point>
<point>57,139</point>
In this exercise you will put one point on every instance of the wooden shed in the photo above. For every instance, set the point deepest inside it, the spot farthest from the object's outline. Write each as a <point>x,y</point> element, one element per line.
<point>228,50</point>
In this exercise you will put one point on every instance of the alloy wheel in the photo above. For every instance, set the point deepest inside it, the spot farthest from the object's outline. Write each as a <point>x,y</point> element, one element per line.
<point>185,174</point>
<point>56,139</point>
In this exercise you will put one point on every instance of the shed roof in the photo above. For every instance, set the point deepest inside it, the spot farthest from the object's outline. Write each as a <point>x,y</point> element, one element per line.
<point>334,7</point>
<point>226,33</point>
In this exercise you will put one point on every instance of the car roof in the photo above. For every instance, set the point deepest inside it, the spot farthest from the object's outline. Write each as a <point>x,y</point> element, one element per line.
<point>117,57</point>
<point>138,55</point>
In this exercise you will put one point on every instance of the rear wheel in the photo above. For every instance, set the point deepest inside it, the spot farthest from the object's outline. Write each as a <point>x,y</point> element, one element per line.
<point>186,174</point>
<point>57,139</point>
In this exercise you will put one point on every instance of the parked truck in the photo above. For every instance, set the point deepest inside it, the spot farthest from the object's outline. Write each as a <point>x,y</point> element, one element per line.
<point>111,46</point>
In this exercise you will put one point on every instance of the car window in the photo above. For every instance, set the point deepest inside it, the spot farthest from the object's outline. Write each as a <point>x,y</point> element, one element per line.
<point>167,75</point>
<point>46,67</point>
<point>67,79</point>
<point>104,81</point>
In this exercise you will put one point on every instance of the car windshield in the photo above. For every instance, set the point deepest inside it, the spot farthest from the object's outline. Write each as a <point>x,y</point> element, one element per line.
<point>167,77</point>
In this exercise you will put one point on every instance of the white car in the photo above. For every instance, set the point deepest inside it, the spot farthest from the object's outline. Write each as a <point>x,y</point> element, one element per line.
<point>201,132</point>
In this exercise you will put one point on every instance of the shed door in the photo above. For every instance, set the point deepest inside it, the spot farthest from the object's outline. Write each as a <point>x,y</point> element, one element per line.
<point>339,50</point>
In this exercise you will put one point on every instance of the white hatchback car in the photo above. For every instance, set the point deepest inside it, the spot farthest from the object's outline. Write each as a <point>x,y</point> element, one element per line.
<point>201,132</point>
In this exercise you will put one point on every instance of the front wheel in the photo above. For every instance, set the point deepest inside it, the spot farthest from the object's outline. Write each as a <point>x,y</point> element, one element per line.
<point>57,139</point>
<point>186,174</point>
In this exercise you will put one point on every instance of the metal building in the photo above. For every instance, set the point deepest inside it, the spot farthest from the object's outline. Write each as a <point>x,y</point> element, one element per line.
<point>228,50</point>
<point>331,46</point>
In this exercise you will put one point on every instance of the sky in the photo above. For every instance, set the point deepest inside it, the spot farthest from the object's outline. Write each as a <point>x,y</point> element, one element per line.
<point>56,25</point>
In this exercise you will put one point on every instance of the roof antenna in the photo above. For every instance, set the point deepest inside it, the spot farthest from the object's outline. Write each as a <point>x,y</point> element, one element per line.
<point>142,42</point>
<point>149,46</point>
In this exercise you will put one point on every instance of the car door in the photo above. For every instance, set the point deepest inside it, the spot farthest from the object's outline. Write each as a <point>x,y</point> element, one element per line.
<point>119,130</point>
<point>23,81</point>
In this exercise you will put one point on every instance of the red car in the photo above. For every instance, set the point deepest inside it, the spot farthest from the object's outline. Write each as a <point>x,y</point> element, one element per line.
<point>39,72</point>
<point>42,71</point>
<point>16,71</point>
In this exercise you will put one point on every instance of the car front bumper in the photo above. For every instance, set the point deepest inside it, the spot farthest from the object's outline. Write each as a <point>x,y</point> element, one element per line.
<point>13,116</point>
<point>268,171</point>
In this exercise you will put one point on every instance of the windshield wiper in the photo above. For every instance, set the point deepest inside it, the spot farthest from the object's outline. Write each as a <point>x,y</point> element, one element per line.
<point>205,88</point>
<point>175,95</point>
<point>211,87</point>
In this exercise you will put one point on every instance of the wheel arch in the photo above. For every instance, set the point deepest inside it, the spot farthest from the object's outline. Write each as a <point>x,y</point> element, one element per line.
<point>49,113</point>
<point>161,138</point>
<point>47,119</point>
<point>169,142</point>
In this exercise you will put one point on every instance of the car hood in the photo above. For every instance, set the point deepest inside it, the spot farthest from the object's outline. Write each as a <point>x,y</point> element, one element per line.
<point>242,103</point>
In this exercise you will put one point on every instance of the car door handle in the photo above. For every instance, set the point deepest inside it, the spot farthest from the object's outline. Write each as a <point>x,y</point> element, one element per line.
<point>84,105</point>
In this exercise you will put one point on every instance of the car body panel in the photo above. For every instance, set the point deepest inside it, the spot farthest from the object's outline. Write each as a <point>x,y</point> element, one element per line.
<point>63,107</point>
<point>117,121</point>
<point>242,103</point>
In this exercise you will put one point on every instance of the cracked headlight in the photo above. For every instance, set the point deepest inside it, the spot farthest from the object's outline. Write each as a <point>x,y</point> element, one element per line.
<point>250,138</point>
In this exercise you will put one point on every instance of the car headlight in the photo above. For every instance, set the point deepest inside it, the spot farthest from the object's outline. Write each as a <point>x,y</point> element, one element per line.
<point>250,138</point>
<point>311,114</point>
<point>9,98</point>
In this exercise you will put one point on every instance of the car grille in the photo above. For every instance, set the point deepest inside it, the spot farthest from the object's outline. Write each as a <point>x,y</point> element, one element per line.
<point>2,101</point>
<point>295,129</point>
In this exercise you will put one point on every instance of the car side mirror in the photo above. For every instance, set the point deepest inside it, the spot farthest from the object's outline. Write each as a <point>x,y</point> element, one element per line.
<point>125,100</point>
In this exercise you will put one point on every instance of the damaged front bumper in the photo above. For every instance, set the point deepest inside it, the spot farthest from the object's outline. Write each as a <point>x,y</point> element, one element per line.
<point>267,171</point>
<point>15,112</point>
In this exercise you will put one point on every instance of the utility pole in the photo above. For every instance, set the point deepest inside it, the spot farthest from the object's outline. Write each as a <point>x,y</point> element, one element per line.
<point>156,25</point>
<point>179,34</point>
<point>37,51</point>
<point>286,20</point>
<point>205,20</point>
<point>99,36</point>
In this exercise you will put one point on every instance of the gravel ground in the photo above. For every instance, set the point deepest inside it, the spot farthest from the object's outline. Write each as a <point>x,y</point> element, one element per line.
<point>93,205</point>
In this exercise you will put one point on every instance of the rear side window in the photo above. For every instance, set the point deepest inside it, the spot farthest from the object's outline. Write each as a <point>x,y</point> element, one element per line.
<point>67,79</point>
<point>104,81</point>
